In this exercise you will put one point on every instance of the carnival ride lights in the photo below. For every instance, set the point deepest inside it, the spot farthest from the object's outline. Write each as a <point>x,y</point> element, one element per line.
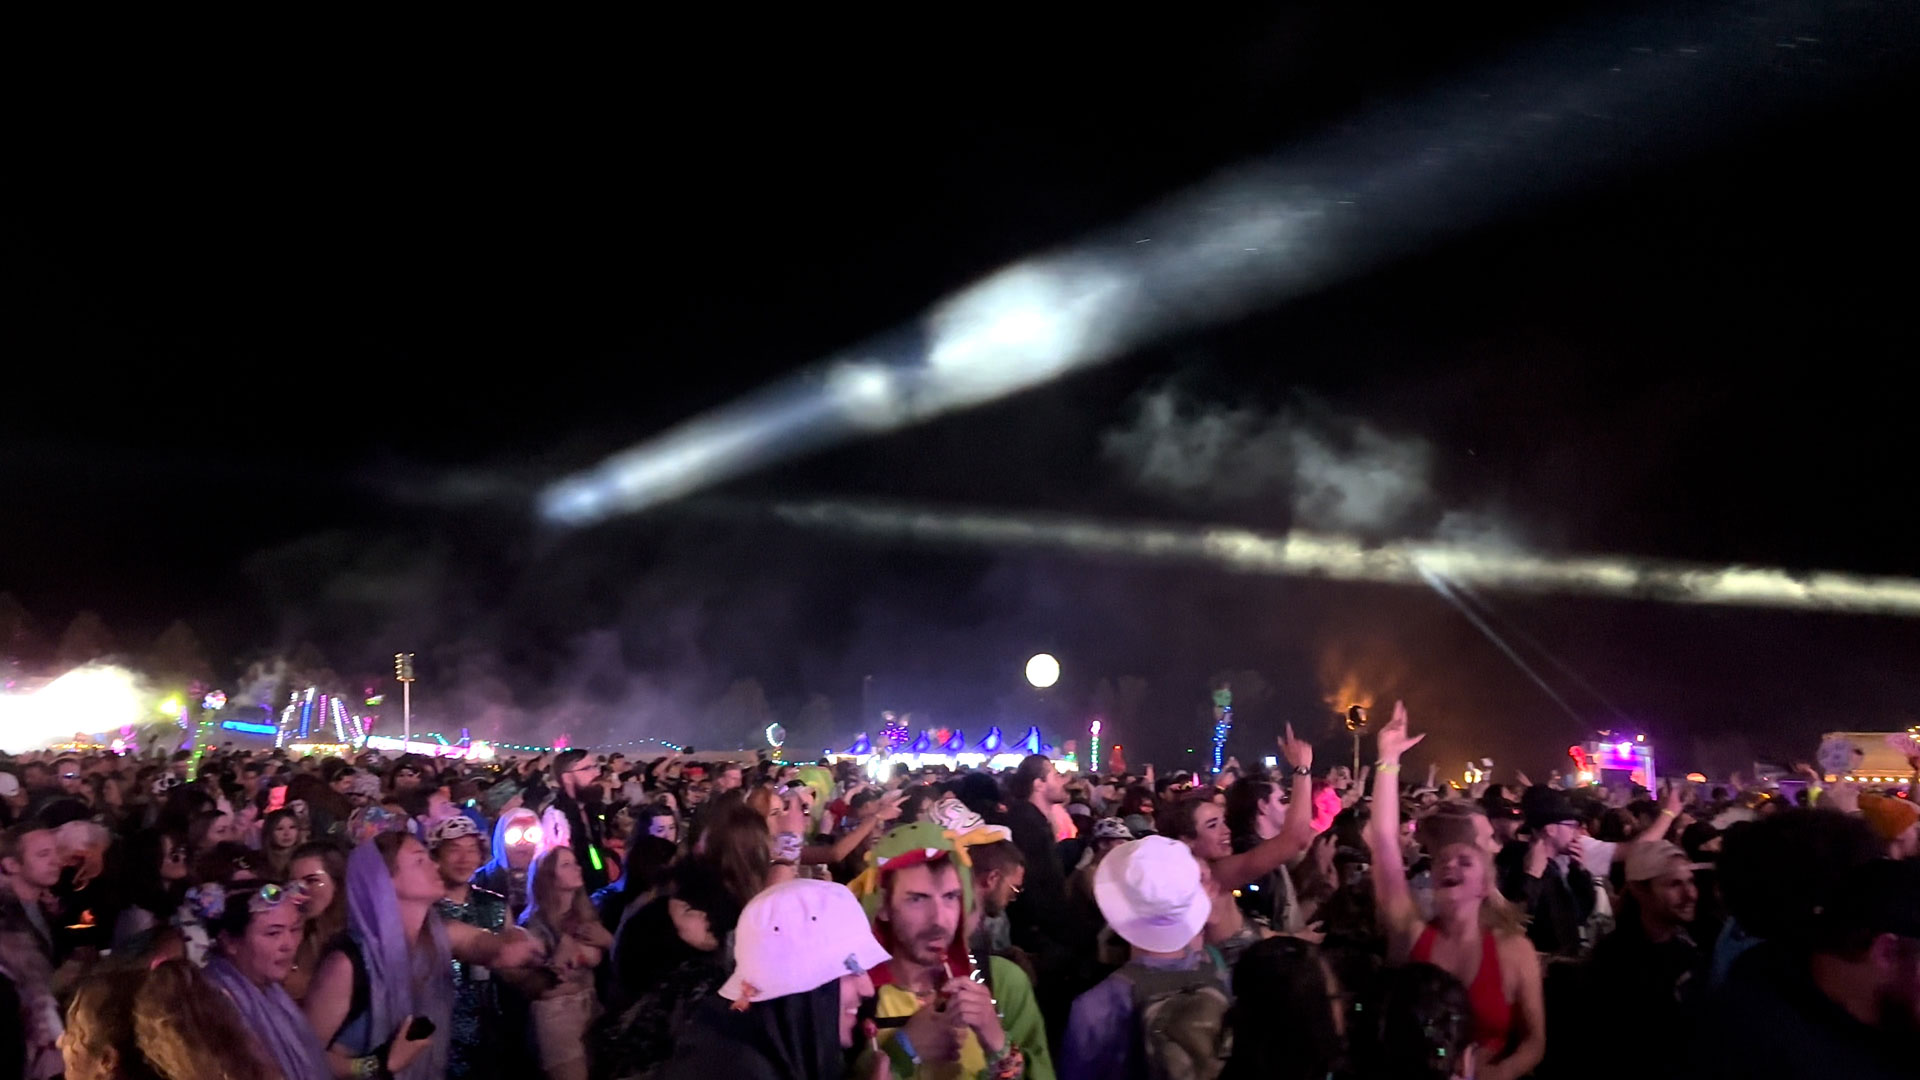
<point>308,715</point>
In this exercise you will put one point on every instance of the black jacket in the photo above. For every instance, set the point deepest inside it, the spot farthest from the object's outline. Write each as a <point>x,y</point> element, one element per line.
<point>1557,902</point>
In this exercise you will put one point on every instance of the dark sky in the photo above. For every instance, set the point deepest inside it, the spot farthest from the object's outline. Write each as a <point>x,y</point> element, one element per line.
<point>288,353</point>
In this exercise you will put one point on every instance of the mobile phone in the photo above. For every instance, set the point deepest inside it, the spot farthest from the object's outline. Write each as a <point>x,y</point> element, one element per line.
<point>421,1028</point>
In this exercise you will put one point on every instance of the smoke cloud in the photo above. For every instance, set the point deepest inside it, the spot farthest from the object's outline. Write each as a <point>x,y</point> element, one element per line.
<point>1337,474</point>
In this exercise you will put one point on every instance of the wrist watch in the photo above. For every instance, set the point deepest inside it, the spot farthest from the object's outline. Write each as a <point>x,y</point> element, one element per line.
<point>1303,770</point>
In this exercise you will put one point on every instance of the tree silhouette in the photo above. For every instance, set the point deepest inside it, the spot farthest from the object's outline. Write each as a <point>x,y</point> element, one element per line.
<point>178,656</point>
<point>19,636</point>
<point>87,639</point>
<point>741,714</point>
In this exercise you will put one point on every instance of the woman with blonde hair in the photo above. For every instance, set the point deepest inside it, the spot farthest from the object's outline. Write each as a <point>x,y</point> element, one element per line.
<point>1475,935</point>
<point>561,917</point>
<point>187,1030</point>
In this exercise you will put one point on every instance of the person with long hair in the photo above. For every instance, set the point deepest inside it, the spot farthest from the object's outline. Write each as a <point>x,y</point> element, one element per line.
<point>279,835</point>
<point>319,868</point>
<point>255,934</point>
<point>401,951</point>
<point>1289,1014</point>
<point>157,873</point>
<point>560,917</point>
<point>99,1041</point>
<point>791,1010</point>
<point>734,839</point>
<point>1425,1027</point>
<point>207,829</point>
<point>187,1030</point>
<point>1475,935</point>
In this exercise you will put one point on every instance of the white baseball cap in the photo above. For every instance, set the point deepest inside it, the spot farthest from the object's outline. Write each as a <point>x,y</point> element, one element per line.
<point>798,936</point>
<point>1150,892</point>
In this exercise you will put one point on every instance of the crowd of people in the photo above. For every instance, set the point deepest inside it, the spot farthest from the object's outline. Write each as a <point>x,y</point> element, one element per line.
<point>248,914</point>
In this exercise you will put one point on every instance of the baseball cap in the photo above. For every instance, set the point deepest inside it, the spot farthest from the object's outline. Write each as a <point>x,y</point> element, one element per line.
<point>1150,892</point>
<point>451,828</point>
<point>1649,862</point>
<point>799,936</point>
<point>1111,828</point>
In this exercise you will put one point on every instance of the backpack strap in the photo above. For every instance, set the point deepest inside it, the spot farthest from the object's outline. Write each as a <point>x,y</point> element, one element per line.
<point>362,1001</point>
<point>1149,983</point>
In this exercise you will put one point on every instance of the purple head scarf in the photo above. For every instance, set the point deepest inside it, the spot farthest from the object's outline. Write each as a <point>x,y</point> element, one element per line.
<point>404,980</point>
<point>276,1022</point>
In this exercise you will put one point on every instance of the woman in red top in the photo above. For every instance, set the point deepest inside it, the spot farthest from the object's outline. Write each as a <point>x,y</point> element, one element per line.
<point>1475,935</point>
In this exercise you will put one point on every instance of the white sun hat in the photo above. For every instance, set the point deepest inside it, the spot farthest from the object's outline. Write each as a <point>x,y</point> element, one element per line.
<point>1150,892</point>
<point>798,936</point>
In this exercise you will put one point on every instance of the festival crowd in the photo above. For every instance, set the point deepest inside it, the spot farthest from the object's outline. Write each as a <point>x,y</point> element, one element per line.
<point>248,914</point>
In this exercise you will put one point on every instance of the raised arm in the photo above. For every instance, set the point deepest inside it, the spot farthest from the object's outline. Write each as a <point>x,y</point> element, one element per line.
<point>1391,897</point>
<point>1295,833</point>
<point>885,809</point>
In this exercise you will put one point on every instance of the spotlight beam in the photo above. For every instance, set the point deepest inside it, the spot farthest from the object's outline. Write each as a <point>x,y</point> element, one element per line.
<point>1567,113</point>
<point>1339,558</point>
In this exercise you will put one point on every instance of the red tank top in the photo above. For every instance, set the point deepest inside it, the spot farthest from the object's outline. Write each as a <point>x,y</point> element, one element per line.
<point>1492,1012</point>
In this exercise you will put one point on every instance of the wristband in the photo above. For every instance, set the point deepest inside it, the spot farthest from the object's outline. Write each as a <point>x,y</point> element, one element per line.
<point>366,1067</point>
<point>1385,767</point>
<point>906,1046</point>
<point>1009,1064</point>
<point>1669,813</point>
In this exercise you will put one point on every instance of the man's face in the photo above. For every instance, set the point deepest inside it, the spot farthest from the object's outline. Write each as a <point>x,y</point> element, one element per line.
<point>923,909</point>
<point>1560,836</point>
<point>458,859</point>
<point>1056,786</point>
<point>1896,963</point>
<point>1002,887</point>
<point>38,864</point>
<point>579,775</point>
<point>405,778</point>
<point>1339,778</point>
<point>1672,900</point>
<point>728,779</point>
<point>1483,835</point>
<point>67,774</point>
<point>1274,807</point>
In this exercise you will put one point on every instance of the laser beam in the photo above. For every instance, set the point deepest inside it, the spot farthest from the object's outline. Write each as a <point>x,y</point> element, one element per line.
<point>1582,107</point>
<point>1338,558</point>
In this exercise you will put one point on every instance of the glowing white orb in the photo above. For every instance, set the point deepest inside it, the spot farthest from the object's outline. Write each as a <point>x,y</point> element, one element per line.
<point>1043,671</point>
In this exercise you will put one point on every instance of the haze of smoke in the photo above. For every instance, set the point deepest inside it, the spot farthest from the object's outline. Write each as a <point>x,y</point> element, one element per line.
<point>1337,474</point>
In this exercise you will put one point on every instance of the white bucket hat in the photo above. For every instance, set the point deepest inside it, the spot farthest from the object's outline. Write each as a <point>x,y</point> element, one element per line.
<point>1150,892</point>
<point>799,936</point>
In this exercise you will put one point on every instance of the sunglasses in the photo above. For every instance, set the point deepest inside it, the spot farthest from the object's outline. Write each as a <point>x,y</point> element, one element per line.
<point>270,896</point>
<point>517,834</point>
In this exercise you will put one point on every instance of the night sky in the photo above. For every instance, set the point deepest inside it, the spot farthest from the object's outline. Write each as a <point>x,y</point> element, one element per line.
<point>289,357</point>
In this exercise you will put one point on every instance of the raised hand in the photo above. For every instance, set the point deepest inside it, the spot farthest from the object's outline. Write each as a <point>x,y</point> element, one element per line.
<point>888,807</point>
<point>1393,740</point>
<point>1297,752</point>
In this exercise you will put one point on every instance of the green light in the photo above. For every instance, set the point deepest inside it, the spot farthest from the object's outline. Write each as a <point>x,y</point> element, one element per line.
<point>594,852</point>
